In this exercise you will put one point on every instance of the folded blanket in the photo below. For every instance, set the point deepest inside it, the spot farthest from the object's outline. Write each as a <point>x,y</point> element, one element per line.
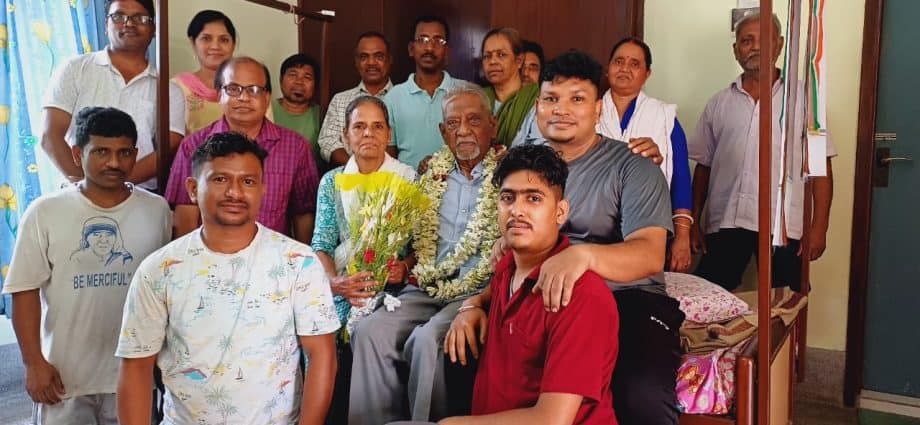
<point>704,339</point>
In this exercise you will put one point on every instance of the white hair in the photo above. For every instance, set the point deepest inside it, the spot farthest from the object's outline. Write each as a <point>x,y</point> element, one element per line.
<point>754,13</point>
<point>466,89</point>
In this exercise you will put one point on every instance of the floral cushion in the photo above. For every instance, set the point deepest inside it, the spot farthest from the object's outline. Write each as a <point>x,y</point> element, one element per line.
<point>703,301</point>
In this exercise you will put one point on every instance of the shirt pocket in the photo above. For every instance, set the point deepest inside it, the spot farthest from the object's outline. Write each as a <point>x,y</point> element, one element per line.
<point>526,349</point>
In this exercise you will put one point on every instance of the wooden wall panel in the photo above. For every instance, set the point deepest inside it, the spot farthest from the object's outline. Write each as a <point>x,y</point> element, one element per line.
<point>590,25</point>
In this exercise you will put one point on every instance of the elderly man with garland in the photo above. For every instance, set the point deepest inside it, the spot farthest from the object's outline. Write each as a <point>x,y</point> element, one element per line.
<point>452,246</point>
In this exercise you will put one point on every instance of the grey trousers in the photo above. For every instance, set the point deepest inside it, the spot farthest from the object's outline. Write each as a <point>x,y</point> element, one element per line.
<point>385,343</point>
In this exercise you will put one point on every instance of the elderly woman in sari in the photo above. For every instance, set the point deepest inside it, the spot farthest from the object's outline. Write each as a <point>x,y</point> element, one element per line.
<point>629,115</point>
<point>367,133</point>
<point>512,100</point>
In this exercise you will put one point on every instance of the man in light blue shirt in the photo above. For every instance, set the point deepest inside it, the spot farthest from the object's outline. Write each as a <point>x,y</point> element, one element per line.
<point>411,335</point>
<point>415,106</point>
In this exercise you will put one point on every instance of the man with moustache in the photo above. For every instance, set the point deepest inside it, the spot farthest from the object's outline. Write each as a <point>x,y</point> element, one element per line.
<point>66,302</point>
<point>290,174</point>
<point>725,150</point>
<point>118,76</point>
<point>225,310</point>
<point>297,108</point>
<point>415,106</point>
<point>372,60</point>
<point>620,233</point>
<point>412,335</point>
<point>541,367</point>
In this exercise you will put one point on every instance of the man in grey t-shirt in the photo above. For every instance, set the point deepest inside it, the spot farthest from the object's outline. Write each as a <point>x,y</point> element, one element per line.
<point>619,222</point>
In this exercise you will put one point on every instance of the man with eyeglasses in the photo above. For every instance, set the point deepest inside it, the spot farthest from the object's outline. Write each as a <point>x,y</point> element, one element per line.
<point>415,106</point>
<point>373,60</point>
<point>118,76</point>
<point>289,203</point>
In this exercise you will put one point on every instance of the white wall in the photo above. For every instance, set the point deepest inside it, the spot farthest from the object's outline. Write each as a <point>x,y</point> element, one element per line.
<point>692,59</point>
<point>265,34</point>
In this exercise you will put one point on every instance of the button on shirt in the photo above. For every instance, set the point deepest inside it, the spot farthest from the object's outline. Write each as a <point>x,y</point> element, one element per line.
<point>330,135</point>
<point>91,80</point>
<point>414,118</point>
<point>457,206</point>
<point>726,140</point>
<point>290,173</point>
<point>529,351</point>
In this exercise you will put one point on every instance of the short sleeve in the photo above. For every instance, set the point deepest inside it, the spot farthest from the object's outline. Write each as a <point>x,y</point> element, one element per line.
<point>30,267</point>
<point>646,198</point>
<point>701,146</point>
<point>391,111</point>
<point>63,91</point>
<point>145,316</point>
<point>176,109</point>
<point>314,310</point>
<point>681,188</point>
<point>303,190</point>
<point>326,230</point>
<point>330,134</point>
<point>577,354</point>
<point>181,169</point>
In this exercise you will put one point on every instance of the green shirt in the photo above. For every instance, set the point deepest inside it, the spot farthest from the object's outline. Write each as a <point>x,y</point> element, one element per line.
<point>306,124</point>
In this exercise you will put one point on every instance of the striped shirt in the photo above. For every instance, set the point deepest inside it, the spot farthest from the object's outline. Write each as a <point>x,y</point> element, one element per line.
<point>289,173</point>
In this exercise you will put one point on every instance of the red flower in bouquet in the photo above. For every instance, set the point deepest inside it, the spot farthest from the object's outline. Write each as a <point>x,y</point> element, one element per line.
<point>369,256</point>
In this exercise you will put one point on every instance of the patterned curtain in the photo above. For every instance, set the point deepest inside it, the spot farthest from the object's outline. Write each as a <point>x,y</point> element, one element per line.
<point>35,36</point>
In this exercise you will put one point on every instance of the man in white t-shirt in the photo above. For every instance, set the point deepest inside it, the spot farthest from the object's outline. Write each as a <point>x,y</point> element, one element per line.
<point>224,310</point>
<point>74,258</point>
<point>119,76</point>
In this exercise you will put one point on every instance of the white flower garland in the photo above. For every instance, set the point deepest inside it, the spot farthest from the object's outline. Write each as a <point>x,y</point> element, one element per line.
<point>480,234</point>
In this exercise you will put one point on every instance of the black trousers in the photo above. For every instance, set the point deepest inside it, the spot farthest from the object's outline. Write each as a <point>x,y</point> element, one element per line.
<point>645,376</point>
<point>728,252</point>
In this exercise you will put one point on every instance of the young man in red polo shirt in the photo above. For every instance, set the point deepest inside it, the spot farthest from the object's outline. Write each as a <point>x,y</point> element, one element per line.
<point>541,367</point>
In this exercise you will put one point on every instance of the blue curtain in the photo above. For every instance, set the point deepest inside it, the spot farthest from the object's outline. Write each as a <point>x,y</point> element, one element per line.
<point>35,36</point>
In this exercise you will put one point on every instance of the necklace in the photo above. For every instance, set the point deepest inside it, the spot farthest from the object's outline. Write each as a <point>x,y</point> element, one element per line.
<point>480,234</point>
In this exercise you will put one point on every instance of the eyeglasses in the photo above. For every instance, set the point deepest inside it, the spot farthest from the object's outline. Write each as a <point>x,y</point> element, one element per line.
<point>428,41</point>
<point>121,19</point>
<point>236,90</point>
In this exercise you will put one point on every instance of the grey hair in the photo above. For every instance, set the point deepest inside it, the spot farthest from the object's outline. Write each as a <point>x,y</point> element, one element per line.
<point>360,100</point>
<point>466,89</point>
<point>754,13</point>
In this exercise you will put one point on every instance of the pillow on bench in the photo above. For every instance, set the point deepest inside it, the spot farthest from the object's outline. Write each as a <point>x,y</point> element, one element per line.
<point>702,301</point>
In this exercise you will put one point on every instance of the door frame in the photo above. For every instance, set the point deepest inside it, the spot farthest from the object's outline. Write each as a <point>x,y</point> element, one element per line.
<point>862,202</point>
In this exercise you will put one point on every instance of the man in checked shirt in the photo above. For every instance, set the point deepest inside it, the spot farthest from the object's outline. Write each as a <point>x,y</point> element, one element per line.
<point>289,203</point>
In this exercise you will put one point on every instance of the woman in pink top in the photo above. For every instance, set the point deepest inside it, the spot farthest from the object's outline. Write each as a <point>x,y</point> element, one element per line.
<point>213,38</point>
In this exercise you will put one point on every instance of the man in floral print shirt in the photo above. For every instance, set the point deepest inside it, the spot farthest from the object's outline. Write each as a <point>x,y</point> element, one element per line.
<point>221,310</point>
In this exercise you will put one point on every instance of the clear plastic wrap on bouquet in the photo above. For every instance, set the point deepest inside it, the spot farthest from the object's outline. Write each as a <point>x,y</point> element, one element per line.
<point>380,220</point>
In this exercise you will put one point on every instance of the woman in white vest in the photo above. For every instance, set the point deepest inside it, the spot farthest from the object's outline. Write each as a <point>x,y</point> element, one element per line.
<point>628,114</point>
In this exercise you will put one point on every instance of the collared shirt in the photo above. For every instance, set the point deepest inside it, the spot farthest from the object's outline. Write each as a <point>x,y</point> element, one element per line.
<point>726,140</point>
<point>414,118</point>
<point>529,351</point>
<point>225,327</point>
<point>330,135</point>
<point>289,173</point>
<point>457,206</point>
<point>91,80</point>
